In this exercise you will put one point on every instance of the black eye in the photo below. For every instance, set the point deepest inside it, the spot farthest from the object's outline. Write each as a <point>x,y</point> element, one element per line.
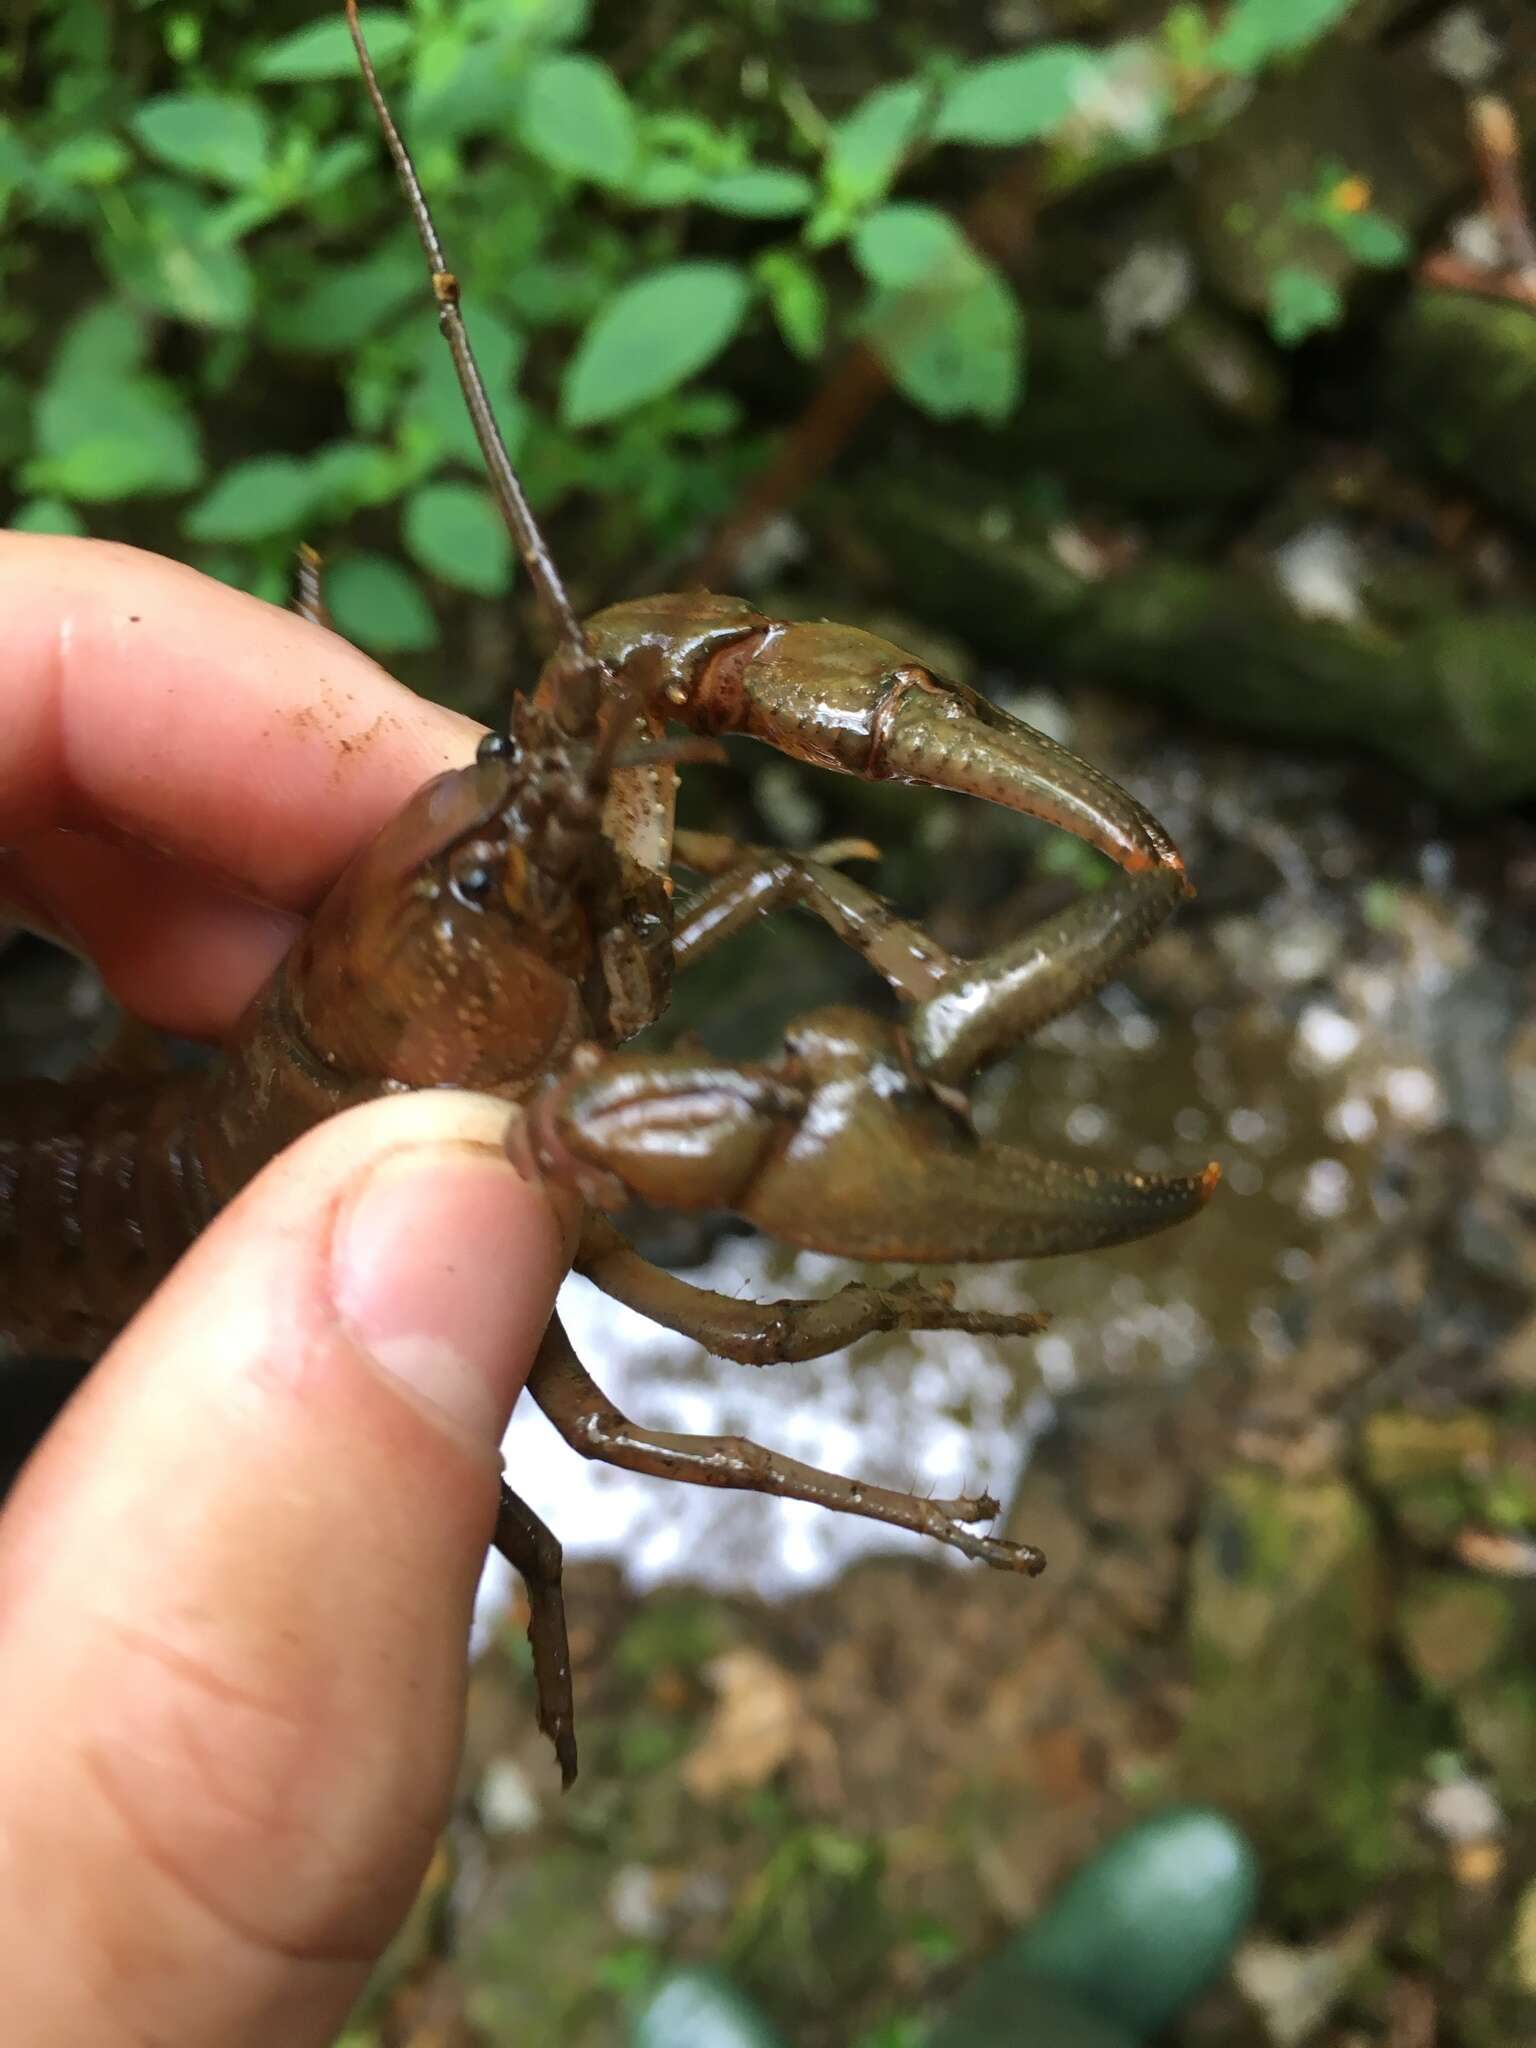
<point>472,883</point>
<point>496,746</point>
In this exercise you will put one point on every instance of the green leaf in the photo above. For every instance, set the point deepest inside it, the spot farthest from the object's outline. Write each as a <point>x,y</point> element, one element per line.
<point>100,442</point>
<point>348,474</point>
<point>909,244</point>
<point>1301,303</point>
<point>346,302</point>
<point>868,145</point>
<point>1009,100</point>
<point>1257,30</point>
<point>46,515</point>
<point>574,117</point>
<point>437,403</point>
<point>271,494</point>
<point>661,181</point>
<point>1372,238</point>
<point>379,605</point>
<point>165,254</point>
<point>324,49</point>
<point>455,532</point>
<point>213,135</point>
<point>93,158</point>
<point>764,193</point>
<point>650,337</point>
<point>797,299</point>
<point>15,163</point>
<point>944,322</point>
<point>106,342</point>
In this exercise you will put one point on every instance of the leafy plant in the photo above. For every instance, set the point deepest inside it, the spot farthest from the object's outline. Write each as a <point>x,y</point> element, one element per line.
<point>258,361</point>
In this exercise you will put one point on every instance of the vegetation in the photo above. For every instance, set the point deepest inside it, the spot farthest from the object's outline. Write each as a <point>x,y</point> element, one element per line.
<point>204,250</point>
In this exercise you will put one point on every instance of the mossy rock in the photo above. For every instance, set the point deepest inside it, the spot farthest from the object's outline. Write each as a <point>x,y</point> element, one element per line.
<point>1293,1730</point>
<point>1460,387</point>
<point>530,1965</point>
<point>1429,1469</point>
<point>1390,120</point>
<point>1450,701</point>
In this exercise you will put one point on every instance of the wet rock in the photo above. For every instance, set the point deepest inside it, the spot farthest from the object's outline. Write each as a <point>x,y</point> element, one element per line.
<point>1292,1729</point>
<point>1389,121</point>
<point>1132,426</point>
<point>1448,701</point>
<point>1453,1628</point>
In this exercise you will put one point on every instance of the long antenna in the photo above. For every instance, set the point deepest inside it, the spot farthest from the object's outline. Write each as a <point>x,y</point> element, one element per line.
<point>583,674</point>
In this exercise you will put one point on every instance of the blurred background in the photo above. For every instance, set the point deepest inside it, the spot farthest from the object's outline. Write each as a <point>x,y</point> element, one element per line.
<point>1169,373</point>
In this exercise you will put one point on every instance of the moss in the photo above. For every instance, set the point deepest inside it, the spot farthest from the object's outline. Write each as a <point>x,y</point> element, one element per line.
<point>1293,1731</point>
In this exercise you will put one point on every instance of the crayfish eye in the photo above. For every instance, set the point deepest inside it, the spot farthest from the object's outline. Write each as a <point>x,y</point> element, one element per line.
<point>496,746</point>
<point>473,882</point>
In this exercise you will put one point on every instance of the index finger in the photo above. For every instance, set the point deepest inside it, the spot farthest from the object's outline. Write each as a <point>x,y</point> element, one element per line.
<point>146,700</point>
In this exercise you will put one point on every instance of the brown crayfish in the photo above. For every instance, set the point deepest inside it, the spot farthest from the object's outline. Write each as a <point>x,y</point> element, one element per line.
<point>514,925</point>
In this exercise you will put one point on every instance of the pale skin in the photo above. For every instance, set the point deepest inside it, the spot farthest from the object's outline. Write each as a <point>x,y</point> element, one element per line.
<point>236,1579</point>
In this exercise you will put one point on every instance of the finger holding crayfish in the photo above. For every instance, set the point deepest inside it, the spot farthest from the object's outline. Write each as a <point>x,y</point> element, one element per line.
<point>845,699</point>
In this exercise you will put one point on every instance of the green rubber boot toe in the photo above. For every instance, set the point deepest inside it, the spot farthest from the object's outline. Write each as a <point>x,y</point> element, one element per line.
<point>1132,1939</point>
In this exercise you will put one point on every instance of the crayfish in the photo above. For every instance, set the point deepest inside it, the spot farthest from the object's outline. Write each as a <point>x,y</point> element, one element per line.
<point>515,925</point>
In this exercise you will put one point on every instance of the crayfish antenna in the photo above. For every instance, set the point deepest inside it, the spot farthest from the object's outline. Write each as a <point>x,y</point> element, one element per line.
<point>584,683</point>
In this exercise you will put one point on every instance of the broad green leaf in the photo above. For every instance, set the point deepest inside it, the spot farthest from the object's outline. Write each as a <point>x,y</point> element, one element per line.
<point>347,302</point>
<point>213,135</point>
<point>379,605</point>
<point>335,164</point>
<point>954,351</point>
<point>664,181</point>
<point>436,402</point>
<point>574,116</point>
<point>797,298</point>
<point>324,49</point>
<point>455,532</point>
<point>271,494</point>
<point>1257,30</point>
<point>650,337</point>
<point>944,322</point>
<point>868,145</point>
<point>1372,238</point>
<point>764,193</point>
<point>910,244</point>
<point>1301,303</point>
<point>165,255</point>
<point>347,474</point>
<point>98,442</point>
<point>15,163</point>
<point>105,342</point>
<point>46,515</point>
<point>92,158</point>
<point>1008,100</point>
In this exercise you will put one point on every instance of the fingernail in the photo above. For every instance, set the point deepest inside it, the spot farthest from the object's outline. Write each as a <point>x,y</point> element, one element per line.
<point>444,1265</point>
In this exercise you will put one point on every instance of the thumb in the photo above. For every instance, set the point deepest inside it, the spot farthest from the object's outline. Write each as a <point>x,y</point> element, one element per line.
<point>236,1585</point>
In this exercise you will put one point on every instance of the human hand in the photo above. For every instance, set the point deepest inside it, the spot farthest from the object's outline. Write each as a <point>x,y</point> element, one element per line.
<point>236,1579</point>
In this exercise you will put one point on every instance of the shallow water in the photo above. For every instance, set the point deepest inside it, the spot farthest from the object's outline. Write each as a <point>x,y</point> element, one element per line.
<point>1308,1030</point>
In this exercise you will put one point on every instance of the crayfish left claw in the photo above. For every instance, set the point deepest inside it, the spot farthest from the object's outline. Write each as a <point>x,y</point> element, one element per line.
<point>840,1146</point>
